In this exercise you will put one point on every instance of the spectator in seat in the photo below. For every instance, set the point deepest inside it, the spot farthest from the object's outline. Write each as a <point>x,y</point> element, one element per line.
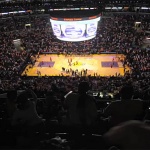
<point>52,106</point>
<point>11,102</point>
<point>26,121</point>
<point>125,109</point>
<point>81,107</point>
<point>129,135</point>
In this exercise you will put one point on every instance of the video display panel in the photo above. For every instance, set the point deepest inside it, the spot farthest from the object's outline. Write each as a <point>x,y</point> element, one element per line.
<point>75,30</point>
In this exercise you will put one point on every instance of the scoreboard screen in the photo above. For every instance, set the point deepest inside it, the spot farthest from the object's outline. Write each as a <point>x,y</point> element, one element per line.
<point>75,29</point>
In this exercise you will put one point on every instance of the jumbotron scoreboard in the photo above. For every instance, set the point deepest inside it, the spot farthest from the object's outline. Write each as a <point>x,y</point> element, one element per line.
<point>75,29</point>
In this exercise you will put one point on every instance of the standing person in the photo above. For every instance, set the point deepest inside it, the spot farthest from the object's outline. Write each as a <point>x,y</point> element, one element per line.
<point>113,62</point>
<point>81,107</point>
<point>113,59</point>
<point>50,59</point>
<point>58,53</point>
<point>111,65</point>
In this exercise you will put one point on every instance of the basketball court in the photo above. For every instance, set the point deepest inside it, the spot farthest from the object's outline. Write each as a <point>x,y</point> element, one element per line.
<point>56,65</point>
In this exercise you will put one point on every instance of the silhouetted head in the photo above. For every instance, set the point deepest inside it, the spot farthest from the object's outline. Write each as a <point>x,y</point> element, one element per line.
<point>12,95</point>
<point>83,87</point>
<point>126,92</point>
<point>54,88</point>
<point>22,101</point>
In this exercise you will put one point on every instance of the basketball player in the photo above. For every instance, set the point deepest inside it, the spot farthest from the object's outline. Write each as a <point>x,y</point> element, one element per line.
<point>50,59</point>
<point>111,65</point>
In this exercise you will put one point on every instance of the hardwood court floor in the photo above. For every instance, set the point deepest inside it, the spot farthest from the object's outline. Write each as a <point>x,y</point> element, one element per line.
<point>101,64</point>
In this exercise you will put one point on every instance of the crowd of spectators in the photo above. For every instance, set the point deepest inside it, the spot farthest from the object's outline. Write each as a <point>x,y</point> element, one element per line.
<point>115,34</point>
